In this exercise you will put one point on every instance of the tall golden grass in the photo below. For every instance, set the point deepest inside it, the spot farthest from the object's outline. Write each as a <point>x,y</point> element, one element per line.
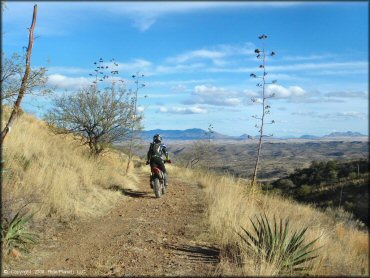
<point>55,175</point>
<point>345,249</point>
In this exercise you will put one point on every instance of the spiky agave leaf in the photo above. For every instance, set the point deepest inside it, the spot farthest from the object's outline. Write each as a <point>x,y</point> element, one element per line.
<point>272,243</point>
<point>15,233</point>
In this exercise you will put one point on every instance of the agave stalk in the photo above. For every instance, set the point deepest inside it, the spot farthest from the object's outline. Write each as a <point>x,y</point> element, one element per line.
<point>134,119</point>
<point>262,55</point>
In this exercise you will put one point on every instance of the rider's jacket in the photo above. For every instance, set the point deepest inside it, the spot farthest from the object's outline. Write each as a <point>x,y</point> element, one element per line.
<point>157,150</point>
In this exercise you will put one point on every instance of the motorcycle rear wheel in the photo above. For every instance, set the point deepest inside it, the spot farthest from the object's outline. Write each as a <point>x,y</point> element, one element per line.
<point>163,188</point>
<point>157,188</point>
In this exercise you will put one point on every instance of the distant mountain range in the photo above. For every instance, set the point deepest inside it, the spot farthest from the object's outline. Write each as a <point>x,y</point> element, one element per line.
<point>199,134</point>
<point>345,134</point>
<point>188,134</point>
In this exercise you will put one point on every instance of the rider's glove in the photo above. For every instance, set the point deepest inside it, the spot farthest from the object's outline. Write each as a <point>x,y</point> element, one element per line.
<point>147,163</point>
<point>169,161</point>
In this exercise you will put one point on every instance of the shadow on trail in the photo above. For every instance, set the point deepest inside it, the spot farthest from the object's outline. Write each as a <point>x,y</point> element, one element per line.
<point>132,193</point>
<point>137,194</point>
<point>207,254</point>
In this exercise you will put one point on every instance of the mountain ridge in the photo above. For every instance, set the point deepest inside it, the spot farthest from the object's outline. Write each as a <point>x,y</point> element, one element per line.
<point>201,134</point>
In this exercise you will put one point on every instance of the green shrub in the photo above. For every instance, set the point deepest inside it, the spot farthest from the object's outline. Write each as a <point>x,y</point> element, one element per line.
<point>14,234</point>
<point>285,184</point>
<point>305,190</point>
<point>271,243</point>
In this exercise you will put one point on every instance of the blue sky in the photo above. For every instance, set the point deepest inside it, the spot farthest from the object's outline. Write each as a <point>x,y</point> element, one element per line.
<point>197,58</point>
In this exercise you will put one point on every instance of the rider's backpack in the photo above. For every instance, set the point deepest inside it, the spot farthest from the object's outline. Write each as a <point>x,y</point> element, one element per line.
<point>156,149</point>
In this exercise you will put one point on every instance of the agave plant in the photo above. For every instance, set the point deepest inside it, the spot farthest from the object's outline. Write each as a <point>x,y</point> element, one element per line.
<point>14,234</point>
<point>273,244</point>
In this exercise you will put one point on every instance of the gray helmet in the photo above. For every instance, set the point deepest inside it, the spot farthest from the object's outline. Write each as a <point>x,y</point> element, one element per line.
<point>157,138</point>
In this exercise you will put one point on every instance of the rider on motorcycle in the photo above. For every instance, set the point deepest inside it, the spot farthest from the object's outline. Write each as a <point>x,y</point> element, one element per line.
<point>154,156</point>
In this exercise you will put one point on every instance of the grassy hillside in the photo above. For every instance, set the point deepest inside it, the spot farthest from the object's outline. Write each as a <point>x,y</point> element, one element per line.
<point>345,248</point>
<point>54,176</point>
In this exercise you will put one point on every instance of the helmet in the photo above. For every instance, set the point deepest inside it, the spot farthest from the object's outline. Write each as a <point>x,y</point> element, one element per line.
<point>157,138</point>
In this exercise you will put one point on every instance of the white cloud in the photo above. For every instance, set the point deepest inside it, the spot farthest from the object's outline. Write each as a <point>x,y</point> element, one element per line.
<point>346,115</point>
<point>219,96</point>
<point>202,53</point>
<point>143,14</point>
<point>68,70</point>
<point>128,68</point>
<point>146,14</point>
<point>64,82</point>
<point>134,66</point>
<point>142,66</point>
<point>215,53</point>
<point>178,82</point>
<point>179,88</point>
<point>332,68</point>
<point>250,93</point>
<point>349,115</point>
<point>143,23</point>
<point>232,101</point>
<point>140,109</point>
<point>348,94</point>
<point>319,66</point>
<point>212,95</point>
<point>305,113</point>
<point>155,96</point>
<point>282,92</point>
<point>258,100</point>
<point>183,110</point>
<point>209,90</point>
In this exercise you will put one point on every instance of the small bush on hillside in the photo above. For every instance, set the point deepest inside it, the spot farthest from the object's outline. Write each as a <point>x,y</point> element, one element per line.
<point>285,184</point>
<point>272,244</point>
<point>305,190</point>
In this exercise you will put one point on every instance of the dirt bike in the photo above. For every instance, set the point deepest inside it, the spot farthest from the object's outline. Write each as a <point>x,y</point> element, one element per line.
<point>157,180</point>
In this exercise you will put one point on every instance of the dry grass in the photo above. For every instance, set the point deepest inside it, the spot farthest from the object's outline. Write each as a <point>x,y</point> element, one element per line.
<point>56,175</point>
<point>345,249</point>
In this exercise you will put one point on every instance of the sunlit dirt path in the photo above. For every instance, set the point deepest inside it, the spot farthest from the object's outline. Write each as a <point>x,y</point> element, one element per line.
<point>142,235</point>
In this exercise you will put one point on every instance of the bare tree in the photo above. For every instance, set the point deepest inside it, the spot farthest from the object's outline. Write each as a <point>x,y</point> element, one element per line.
<point>11,75</point>
<point>262,55</point>
<point>98,116</point>
<point>24,83</point>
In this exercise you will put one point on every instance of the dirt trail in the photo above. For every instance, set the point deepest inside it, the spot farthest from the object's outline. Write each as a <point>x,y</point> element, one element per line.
<point>142,235</point>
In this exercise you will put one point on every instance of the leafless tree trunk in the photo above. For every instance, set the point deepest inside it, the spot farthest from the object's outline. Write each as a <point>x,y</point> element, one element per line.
<point>23,88</point>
